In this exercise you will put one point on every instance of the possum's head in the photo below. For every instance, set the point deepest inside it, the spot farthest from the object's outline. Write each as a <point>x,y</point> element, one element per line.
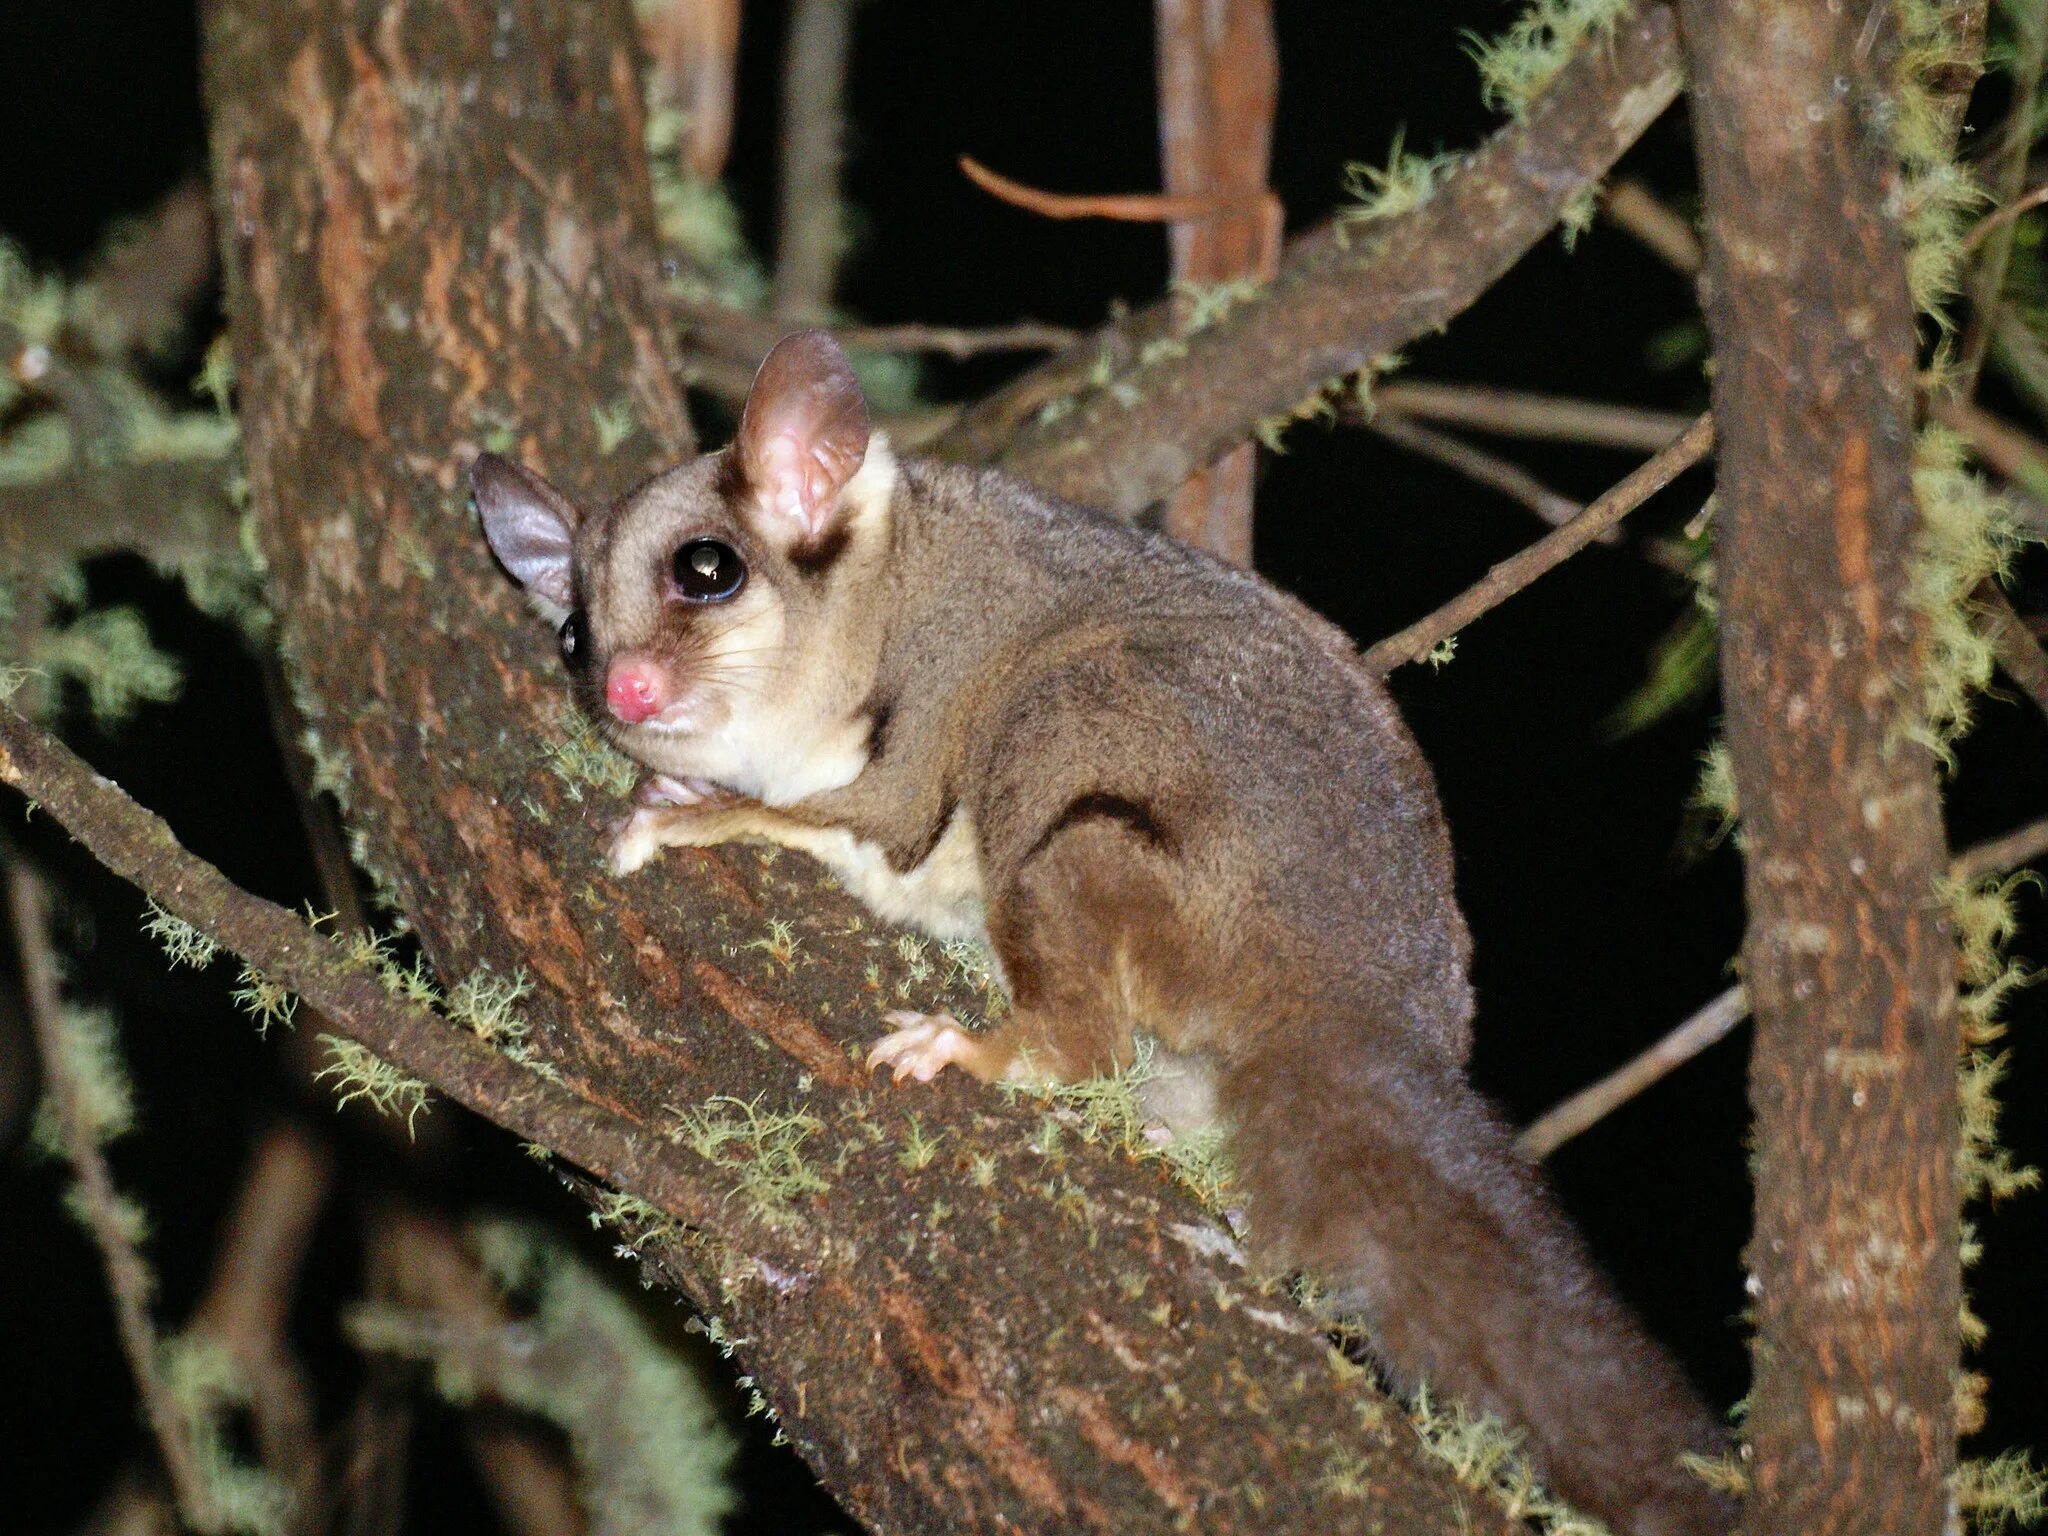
<point>720,620</point>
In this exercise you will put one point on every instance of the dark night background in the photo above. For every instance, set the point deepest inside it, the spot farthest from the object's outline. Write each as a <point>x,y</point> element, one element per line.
<point>1599,922</point>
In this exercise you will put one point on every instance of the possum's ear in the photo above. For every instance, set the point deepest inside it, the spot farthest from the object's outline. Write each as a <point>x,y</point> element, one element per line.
<point>531,526</point>
<point>802,436</point>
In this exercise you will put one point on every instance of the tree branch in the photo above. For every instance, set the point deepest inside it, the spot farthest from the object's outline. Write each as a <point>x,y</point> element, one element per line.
<point>811,226</point>
<point>1847,958</point>
<point>138,847</point>
<point>1547,553</point>
<point>1345,294</point>
<point>128,1279</point>
<point>982,1334</point>
<point>1717,1019</point>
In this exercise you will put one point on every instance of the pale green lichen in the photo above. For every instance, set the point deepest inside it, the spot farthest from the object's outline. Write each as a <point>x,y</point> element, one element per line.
<point>212,1393</point>
<point>652,1455</point>
<point>1487,1457</point>
<point>582,759</point>
<point>1997,1493</point>
<point>264,1000</point>
<point>487,1005</point>
<point>1402,185</point>
<point>762,1147</point>
<point>1515,66</point>
<point>95,1080</point>
<point>108,652</point>
<point>182,943</point>
<point>359,1073</point>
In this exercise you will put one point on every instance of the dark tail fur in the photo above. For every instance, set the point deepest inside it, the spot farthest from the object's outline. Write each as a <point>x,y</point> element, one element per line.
<point>1383,1172</point>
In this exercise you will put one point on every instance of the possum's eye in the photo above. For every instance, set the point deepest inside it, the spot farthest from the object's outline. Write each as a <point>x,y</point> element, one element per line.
<point>707,571</point>
<point>574,636</point>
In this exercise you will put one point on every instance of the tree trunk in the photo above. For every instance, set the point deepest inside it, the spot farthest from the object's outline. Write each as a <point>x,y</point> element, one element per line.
<point>437,238</point>
<point>1847,957</point>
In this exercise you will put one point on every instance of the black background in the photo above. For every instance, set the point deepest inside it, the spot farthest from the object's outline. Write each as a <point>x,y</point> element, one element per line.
<point>1600,920</point>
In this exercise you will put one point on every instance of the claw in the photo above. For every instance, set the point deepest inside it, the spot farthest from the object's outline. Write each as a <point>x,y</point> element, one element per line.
<point>924,1045</point>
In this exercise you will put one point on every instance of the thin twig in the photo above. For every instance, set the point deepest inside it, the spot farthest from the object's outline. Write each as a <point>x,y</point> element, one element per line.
<point>1986,285</point>
<point>128,1278</point>
<point>746,337</point>
<point>1548,552</point>
<point>1718,1019</point>
<point>1991,222</point>
<point>1522,413</point>
<point>247,1305</point>
<point>1127,207</point>
<point>2018,652</point>
<point>811,229</point>
<point>137,846</point>
<point>1642,214</point>
<point>1345,295</point>
<point>1476,464</point>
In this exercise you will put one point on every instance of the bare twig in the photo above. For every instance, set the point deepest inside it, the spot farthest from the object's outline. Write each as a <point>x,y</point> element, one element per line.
<point>1520,413</point>
<point>811,228</point>
<point>2019,653</point>
<point>247,1304</point>
<point>1670,234</point>
<point>137,846</point>
<point>1345,294</point>
<point>1718,1019</point>
<point>1125,207</point>
<point>1593,1103</point>
<point>1991,223</point>
<point>128,1278</point>
<point>1986,284</point>
<point>746,337</point>
<point>1476,464</point>
<point>1548,552</point>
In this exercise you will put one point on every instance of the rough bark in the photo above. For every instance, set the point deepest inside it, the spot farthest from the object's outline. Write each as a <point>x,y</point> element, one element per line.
<point>1847,957</point>
<point>1345,294</point>
<point>437,239</point>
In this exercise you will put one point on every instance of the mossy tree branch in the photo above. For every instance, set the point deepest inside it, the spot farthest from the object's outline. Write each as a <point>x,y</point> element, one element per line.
<point>1848,958</point>
<point>441,244</point>
<point>1345,295</point>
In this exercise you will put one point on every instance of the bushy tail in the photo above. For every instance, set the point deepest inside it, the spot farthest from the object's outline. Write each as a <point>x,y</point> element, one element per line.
<point>1383,1173</point>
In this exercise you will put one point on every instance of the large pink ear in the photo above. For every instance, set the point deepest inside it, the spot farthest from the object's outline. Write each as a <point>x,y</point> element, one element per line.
<point>531,526</point>
<point>802,436</point>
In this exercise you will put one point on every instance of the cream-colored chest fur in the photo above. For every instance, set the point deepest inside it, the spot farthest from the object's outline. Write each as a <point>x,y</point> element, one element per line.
<point>942,896</point>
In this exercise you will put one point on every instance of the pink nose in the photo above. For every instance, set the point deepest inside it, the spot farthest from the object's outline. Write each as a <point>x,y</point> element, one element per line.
<point>633,691</point>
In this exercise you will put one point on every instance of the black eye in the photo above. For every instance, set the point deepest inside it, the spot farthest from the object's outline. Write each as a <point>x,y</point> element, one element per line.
<point>707,571</point>
<point>575,638</point>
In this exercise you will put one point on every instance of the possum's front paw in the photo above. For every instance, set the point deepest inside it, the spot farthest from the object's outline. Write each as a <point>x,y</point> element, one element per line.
<point>638,839</point>
<point>668,813</point>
